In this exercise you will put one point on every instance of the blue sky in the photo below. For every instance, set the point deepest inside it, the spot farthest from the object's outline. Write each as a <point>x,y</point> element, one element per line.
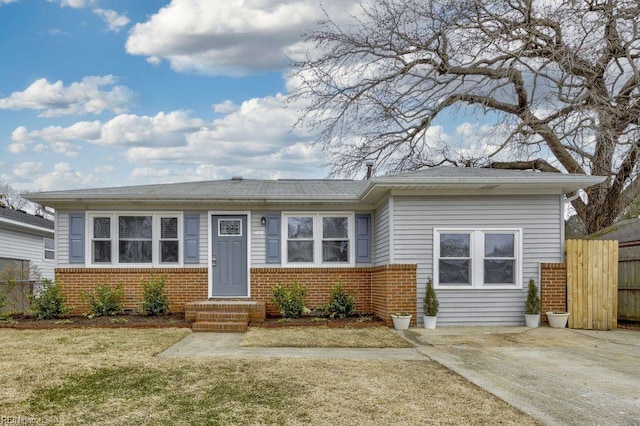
<point>119,92</point>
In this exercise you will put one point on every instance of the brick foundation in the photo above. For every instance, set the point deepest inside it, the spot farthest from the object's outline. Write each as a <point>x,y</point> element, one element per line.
<point>553,288</point>
<point>378,290</point>
<point>183,285</point>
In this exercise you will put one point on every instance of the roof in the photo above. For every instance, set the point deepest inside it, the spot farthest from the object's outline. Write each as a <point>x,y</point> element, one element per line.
<point>327,190</point>
<point>10,215</point>
<point>623,231</point>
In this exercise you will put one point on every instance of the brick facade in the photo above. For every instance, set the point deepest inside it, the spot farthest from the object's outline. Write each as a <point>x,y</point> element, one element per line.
<point>553,288</point>
<point>380,290</point>
<point>183,285</point>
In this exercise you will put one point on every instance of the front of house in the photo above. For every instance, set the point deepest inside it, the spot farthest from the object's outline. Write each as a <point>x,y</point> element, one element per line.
<point>480,234</point>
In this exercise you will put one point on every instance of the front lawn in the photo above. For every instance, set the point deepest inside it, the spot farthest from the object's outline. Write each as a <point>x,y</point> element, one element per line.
<point>111,376</point>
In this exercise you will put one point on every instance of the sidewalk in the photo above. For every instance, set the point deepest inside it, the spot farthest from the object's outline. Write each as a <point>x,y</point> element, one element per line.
<point>227,345</point>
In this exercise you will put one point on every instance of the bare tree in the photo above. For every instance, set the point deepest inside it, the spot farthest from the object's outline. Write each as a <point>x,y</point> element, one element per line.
<point>10,197</point>
<point>559,79</point>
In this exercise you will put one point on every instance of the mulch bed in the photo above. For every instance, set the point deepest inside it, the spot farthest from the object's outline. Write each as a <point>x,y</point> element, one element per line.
<point>117,321</point>
<point>361,321</point>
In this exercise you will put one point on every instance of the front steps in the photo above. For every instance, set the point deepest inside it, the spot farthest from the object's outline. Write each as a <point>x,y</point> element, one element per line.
<point>223,316</point>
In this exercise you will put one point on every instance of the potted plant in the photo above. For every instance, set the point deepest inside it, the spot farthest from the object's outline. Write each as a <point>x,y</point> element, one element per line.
<point>431,306</point>
<point>532,306</point>
<point>401,320</point>
<point>557,319</point>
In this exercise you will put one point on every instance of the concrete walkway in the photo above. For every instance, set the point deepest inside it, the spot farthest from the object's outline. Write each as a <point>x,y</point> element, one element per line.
<point>227,345</point>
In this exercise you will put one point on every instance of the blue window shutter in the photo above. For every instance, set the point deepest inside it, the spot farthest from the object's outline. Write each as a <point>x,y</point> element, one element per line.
<point>363,238</point>
<point>76,238</point>
<point>272,234</point>
<point>191,238</point>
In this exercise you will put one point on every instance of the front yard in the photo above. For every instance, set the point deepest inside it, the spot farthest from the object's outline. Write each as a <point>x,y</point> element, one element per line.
<point>111,376</point>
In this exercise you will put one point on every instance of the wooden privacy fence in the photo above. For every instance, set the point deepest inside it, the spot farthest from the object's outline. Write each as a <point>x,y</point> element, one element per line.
<point>629,290</point>
<point>592,284</point>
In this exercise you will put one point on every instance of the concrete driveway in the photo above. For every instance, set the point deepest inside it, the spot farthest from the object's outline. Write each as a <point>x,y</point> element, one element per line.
<point>559,376</point>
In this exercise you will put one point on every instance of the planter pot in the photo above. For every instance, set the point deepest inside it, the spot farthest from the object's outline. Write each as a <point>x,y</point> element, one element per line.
<point>558,320</point>
<point>532,320</point>
<point>401,322</point>
<point>429,322</point>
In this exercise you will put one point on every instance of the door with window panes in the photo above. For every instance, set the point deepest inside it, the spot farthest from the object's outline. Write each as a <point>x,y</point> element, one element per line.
<point>229,255</point>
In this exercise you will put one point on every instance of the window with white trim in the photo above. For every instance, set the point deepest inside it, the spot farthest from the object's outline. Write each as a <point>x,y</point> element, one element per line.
<point>135,239</point>
<point>49,248</point>
<point>318,239</point>
<point>477,258</point>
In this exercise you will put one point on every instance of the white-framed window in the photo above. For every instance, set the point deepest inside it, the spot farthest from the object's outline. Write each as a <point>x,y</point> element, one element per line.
<point>477,258</point>
<point>132,238</point>
<point>49,247</point>
<point>312,239</point>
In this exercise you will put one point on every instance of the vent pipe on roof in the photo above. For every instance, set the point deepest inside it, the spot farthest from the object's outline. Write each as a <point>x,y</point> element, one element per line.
<point>236,177</point>
<point>369,169</point>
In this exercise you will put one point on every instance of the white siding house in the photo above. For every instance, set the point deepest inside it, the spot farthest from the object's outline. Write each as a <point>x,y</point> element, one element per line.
<point>479,234</point>
<point>27,238</point>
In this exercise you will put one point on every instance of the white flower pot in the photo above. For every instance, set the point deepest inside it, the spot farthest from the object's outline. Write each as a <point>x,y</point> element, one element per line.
<point>401,322</point>
<point>557,320</point>
<point>532,320</point>
<point>429,322</point>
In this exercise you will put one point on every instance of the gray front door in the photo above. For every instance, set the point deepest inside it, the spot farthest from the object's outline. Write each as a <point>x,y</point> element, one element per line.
<point>229,255</point>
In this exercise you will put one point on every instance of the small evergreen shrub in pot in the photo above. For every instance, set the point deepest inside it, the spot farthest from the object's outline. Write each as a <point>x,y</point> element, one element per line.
<point>341,304</point>
<point>106,301</point>
<point>431,306</point>
<point>289,300</point>
<point>532,305</point>
<point>49,302</point>
<point>155,301</point>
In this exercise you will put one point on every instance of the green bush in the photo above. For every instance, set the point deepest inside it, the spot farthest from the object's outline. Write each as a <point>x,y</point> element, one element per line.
<point>289,301</point>
<point>106,300</point>
<point>431,303</point>
<point>532,305</point>
<point>155,301</point>
<point>341,304</point>
<point>49,302</point>
<point>3,304</point>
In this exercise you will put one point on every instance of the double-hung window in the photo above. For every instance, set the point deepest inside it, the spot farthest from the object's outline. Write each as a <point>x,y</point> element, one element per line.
<point>477,258</point>
<point>135,239</point>
<point>49,248</point>
<point>318,239</point>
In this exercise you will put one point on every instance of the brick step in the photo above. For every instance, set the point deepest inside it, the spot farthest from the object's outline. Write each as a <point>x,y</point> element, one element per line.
<point>220,327</point>
<point>256,310</point>
<point>221,316</point>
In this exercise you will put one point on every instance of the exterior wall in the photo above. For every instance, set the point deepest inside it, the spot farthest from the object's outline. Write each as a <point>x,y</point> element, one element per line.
<point>26,246</point>
<point>62,238</point>
<point>182,285</point>
<point>318,281</point>
<point>393,289</point>
<point>381,234</point>
<point>553,288</point>
<point>539,217</point>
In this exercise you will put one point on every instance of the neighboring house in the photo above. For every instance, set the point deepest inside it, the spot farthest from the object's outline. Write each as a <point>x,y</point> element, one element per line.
<point>26,241</point>
<point>627,233</point>
<point>480,234</point>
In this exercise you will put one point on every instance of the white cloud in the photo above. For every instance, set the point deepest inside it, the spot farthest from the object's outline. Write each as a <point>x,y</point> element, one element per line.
<point>27,169</point>
<point>229,37</point>
<point>85,97</point>
<point>104,169</point>
<point>168,129</point>
<point>75,4</point>
<point>6,1</point>
<point>115,22</point>
<point>225,107</point>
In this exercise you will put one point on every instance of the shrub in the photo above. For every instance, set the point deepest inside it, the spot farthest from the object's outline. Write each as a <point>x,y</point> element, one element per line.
<point>49,302</point>
<point>3,303</point>
<point>155,301</point>
<point>105,301</point>
<point>431,303</point>
<point>289,301</point>
<point>532,305</point>
<point>341,304</point>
